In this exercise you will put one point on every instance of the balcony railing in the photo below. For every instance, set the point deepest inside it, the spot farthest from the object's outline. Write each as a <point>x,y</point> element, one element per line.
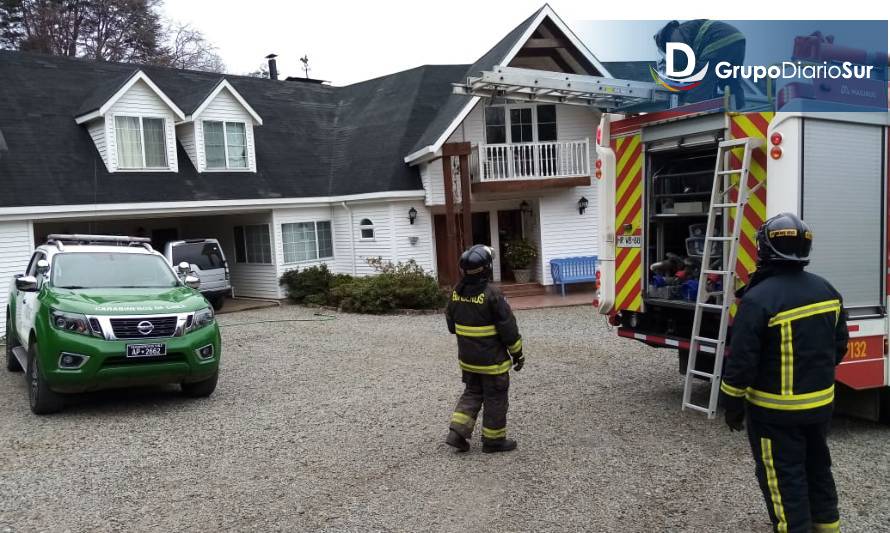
<point>535,160</point>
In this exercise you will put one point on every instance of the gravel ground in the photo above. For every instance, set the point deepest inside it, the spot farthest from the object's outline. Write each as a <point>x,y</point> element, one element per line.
<point>339,426</point>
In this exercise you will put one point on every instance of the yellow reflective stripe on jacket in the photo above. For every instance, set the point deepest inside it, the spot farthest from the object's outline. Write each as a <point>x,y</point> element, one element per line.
<point>475,331</point>
<point>494,433</point>
<point>722,42</point>
<point>732,391</point>
<point>793,402</point>
<point>787,363</point>
<point>515,347</point>
<point>699,37</point>
<point>772,481</point>
<point>462,419</point>
<point>827,528</point>
<point>499,368</point>
<point>806,310</point>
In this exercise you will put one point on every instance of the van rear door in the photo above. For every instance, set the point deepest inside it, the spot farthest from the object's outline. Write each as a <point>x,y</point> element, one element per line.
<point>206,260</point>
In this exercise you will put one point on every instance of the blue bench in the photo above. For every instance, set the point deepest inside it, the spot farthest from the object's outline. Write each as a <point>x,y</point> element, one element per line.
<point>573,270</point>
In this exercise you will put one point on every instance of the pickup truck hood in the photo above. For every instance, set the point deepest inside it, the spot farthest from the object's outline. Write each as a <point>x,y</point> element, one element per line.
<point>143,301</point>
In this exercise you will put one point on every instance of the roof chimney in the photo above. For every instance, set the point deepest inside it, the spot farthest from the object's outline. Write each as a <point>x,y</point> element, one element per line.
<point>273,66</point>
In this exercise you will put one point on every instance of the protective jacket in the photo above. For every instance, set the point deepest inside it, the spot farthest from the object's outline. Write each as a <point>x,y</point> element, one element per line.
<point>486,329</point>
<point>788,335</point>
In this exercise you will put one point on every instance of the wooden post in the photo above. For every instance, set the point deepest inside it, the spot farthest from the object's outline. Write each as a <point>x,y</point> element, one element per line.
<point>451,240</point>
<point>464,164</point>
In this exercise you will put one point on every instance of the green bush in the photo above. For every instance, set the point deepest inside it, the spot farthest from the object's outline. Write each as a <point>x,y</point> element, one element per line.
<point>520,253</point>
<point>311,285</point>
<point>395,286</point>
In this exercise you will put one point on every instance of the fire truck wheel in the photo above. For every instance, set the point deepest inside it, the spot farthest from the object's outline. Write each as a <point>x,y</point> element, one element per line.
<point>683,357</point>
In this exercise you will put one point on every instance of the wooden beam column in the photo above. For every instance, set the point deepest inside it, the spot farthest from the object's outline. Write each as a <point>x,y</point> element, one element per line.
<point>462,152</point>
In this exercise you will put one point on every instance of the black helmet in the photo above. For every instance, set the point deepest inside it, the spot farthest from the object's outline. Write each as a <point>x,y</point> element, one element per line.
<point>476,261</point>
<point>665,33</point>
<point>784,238</point>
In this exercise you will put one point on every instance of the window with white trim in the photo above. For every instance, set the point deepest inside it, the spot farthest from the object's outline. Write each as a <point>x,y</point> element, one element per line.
<point>253,244</point>
<point>366,227</point>
<point>141,142</point>
<point>225,145</point>
<point>307,241</point>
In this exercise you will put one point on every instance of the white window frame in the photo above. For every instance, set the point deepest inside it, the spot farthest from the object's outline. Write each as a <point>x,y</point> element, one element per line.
<point>508,123</point>
<point>318,257</point>
<point>247,260</point>
<point>144,167</point>
<point>227,168</point>
<point>362,226</point>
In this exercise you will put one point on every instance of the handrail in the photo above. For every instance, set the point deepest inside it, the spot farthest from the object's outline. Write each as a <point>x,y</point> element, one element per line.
<point>533,160</point>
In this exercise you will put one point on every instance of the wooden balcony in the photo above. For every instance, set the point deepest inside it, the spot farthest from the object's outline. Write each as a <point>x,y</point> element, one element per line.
<point>530,166</point>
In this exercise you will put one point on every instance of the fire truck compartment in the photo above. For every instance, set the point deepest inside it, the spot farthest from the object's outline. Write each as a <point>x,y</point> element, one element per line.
<point>680,177</point>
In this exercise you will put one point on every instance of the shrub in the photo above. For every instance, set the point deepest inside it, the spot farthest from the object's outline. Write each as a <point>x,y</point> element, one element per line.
<point>520,253</point>
<point>311,285</point>
<point>395,286</point>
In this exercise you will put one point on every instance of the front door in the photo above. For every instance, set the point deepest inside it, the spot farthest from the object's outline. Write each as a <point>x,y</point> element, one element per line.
<point>509,229</point>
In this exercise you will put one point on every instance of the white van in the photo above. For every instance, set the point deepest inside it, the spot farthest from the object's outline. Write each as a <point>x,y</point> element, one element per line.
<point>207,261</point>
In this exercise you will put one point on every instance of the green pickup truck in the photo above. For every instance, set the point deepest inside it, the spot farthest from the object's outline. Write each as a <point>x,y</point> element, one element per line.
<point>94,312</point>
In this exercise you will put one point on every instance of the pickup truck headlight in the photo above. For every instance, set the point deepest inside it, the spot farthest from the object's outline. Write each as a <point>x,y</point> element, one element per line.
<point>72,323</point>
<point>201,318</point>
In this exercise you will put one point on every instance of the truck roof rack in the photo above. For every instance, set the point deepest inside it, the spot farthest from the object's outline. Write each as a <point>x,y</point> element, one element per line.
<point>60,239</point>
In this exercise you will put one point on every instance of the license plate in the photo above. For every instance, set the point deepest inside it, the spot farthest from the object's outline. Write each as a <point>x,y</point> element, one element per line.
<point>146,350</point>
<point>630,241</point>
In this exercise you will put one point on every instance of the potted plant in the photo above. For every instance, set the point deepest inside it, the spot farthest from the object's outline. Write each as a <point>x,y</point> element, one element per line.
<point>520,254</point>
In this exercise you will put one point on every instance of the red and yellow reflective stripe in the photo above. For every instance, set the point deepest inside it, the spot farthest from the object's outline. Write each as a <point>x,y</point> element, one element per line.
<point>741,126</point>
<point>628,211</point>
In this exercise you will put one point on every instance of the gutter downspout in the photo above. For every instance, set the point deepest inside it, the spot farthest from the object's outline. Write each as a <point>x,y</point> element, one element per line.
<point>351,235</point>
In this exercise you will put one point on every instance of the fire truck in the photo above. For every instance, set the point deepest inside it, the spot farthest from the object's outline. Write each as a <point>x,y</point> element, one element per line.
<point>684,189</point>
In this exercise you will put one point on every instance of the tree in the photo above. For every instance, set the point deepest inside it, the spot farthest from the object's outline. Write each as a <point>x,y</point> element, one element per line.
<point>110,30</point>
<point>187,48</point>
<point>261,72</point>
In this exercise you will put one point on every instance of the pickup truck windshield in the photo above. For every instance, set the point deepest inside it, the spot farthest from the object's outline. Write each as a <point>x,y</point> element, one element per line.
<point>93,270</point>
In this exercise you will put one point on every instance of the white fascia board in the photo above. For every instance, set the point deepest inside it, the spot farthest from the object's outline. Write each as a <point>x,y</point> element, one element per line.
<point>128,210</point>
<point>138,76</point>
<point>546,12</point>
<point>224,84</point>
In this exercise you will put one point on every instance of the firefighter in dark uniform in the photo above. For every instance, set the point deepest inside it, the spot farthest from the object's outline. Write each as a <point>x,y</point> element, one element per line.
<point>788,335</point>
<point>488,344</point>
<point>711,41</point>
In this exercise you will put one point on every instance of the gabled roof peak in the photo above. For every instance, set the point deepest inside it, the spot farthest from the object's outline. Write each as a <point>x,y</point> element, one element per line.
<point>223,84</point>
<point>98,104</point>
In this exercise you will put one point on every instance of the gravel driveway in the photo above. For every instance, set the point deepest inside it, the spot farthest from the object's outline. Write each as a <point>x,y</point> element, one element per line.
<point>339,426</point>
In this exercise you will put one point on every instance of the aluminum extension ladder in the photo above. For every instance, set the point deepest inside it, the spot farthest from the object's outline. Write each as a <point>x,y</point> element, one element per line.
<point>715,236</point>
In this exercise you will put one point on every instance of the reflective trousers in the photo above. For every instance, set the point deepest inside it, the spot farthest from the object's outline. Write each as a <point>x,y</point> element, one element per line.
<point>793,467</point>
<point>487,390</point>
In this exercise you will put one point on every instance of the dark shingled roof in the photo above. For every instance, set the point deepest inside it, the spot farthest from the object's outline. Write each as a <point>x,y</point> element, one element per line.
<point>315,140</point>
<point>630,70</point>
<point>456,102</point>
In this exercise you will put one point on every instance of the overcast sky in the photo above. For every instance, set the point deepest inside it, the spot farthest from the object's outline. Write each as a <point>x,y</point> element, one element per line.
<point>350,41</point>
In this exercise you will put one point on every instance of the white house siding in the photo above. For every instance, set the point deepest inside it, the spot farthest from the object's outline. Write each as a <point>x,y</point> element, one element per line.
<point>141,100</point>
<point>565,233</point>
<point>576,123</point>
<point>224,107</point>
<point>16,245</point>
<point>97,132</point>
<point>291,216</point>
<point>186,135</point>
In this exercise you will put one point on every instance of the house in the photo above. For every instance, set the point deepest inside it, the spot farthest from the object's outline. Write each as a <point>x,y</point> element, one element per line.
<point>287,173</point>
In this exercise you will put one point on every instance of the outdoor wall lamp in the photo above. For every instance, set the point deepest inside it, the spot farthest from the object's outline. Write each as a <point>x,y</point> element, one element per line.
<point>525,208</point>
<point>582,205</point>
<point>412,215</point>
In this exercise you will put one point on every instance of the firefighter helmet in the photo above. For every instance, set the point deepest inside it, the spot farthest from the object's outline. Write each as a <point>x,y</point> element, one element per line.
<point>784,238</point>
<point>476,261</point>
<point>664,34</point>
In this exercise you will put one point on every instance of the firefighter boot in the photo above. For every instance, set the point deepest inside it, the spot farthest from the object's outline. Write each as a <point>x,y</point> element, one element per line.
<point>457,441</point>
<point>498,445</point>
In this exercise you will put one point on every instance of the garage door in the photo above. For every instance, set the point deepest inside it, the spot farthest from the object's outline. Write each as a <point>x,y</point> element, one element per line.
<point>16,245</point>
<point>843,201</point>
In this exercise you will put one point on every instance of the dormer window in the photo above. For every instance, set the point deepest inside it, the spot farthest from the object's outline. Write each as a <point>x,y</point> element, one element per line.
<point>225,145</point>
<point>141,143</point>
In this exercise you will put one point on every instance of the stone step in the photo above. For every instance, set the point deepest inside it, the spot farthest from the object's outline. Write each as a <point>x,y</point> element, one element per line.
<point>517,290</point>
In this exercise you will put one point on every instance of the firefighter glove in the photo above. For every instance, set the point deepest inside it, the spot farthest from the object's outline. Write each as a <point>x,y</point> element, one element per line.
<point>735,414</point>
<point>518,361</point>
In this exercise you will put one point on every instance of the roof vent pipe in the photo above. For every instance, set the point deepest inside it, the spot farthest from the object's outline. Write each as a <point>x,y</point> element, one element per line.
<point>273,66</point>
